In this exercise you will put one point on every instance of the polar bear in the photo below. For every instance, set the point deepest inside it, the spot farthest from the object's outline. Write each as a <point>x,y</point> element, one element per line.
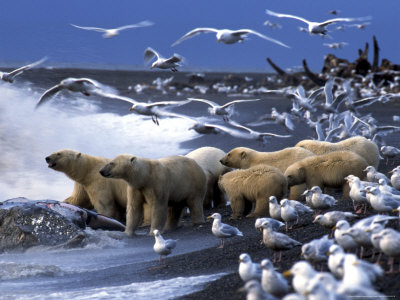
<point>208,158</point>
<point>243,158</point>
<point>167,185</point>
<point>253,186</point>
<point>358,144</point>
<point>327,170</point>
<point>108,197</point>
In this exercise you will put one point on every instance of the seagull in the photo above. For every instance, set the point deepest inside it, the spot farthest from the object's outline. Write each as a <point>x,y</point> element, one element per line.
<point>330,218</point>
<point>315,250</point>
<point>255,292</point>
<point>110,33</point>
<point>82,85</point>
<point>225,110</point>
<point>276,241</point>
<point>161,246</point>
<point>247,269</point>
<point>272,25</point>
<point>357,193</point>
<point>395,178</point>
<point>336,256</point>
<point>344,240</point>
<point>381,202</point>
<point>275,224</point>
<point>358,272</point>
<point>336,45</point>
<point>271,281</point>
<point>291,209</point>
<point>223,230</point>
<point>389,152</point>
<point>9,76</point>
<point>373,175</point>
<point>320,200</point>
<point>161,62</point>
<point>274,208</point>
<point>302,272</point>
<point>285,119</point>
<point>314,27</point>
<point>153,109</point>
<point>227,36</point>
<point>384,187</point>
<point>389,243</point>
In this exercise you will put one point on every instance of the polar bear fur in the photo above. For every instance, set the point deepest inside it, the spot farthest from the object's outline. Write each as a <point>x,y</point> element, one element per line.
<point>327,170</point>
<point>108,197</point>
<point>243,158</point>
<point>254,185</point>
<point>358,144</point>
<point>167,185</point>
<point>208,158</point>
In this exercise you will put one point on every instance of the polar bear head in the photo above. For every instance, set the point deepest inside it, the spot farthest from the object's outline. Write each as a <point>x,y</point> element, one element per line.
<point>64,160</point>
<point>237,158</point>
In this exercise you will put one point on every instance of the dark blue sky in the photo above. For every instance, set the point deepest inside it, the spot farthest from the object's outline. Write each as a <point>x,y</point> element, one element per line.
<point>30,30</point>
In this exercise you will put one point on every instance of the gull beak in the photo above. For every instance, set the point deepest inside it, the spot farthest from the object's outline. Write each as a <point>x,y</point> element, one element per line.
<point>368,230</point>
<point>131,109</point>
<point>328,253</point>
<point>306,293</point>
<point>260,229</point>
<point>239,260</point>
<point>356,263</point>
<point>390,172</point>
<point>209,218</point>
<point>334,227</point>
<point>287,273</point>
<point>395,210</point>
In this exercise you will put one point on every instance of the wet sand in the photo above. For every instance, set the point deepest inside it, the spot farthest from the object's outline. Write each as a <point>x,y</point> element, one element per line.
<point>212,260</point>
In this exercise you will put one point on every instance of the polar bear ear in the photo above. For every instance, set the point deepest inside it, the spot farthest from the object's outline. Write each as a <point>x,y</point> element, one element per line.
<point>133,159</point>
<point>243,155</point>
<point>78,155</point>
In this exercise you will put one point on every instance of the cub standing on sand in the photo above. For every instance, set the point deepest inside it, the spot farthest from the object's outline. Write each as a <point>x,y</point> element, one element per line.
<point>167,185</point>
<point>328,170</point>
<point>208,158</point>
<point>243,158</point>
<point>253,186</point>
<point>358,144</point>
<point>108,197</point>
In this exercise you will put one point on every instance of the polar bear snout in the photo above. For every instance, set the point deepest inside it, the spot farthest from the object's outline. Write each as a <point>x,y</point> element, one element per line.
<point>50,162</point>
<point>105,172</point>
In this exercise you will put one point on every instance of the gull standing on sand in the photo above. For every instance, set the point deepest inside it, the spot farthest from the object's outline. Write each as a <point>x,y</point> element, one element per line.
<point>272,281</point>
<point>395,178</point>
<point>227,36</point>
<point>302,273</point>
<point>255,292</point>
<point>110,33</point>
<point>314,27</point>
<point>86,86</point>
<point>277,241</point>
<point>223,230</point>
<point>9,76</point>
<point>389,243</point>
<point>381,202</point>
<point>344,240</point>
<point>384,187</point>
<point>247,269</point>
<point>161,62</point>
<point>315,251</point>
<point>161,246</point>
<point>225,110</point>
<point>291,209</point>
<point>373,175</point>
<point>357,193</point>
<point>320,200</point>
<point>275,224</point>
<point>330,218</point>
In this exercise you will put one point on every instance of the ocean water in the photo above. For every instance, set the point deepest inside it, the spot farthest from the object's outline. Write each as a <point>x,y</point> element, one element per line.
<point>71,121</point>
<point>107,267</point>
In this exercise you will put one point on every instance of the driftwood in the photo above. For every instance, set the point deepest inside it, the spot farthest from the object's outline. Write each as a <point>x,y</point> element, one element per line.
<point>314,78</point>
<point>375,60</point>
<point>289,79</point>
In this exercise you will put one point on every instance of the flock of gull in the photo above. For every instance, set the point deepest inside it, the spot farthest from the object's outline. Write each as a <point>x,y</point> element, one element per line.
<point>334,112</point>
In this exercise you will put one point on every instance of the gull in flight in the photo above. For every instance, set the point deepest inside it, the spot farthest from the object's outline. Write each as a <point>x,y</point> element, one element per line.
<point>336,45</point>
<point>314,27</point>
<point>110,33</point>
<point>161,62</point>
<point>225,110</point>
<point>83,85</point>
<point>228,36</point>
<point>9,76</point>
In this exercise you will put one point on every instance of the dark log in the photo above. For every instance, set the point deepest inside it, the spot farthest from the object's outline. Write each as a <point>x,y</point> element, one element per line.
<point>375,60</point>
<point>275,67</point>
<point>314,78</point>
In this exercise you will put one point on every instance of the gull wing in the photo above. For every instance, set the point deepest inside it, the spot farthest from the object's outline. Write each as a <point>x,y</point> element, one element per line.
<point>47,95</point>
<point>116,97</point>
<point>327,22</point>
<point>174,59</point>
<point>209,102</point>
<point>149,53</point>
<point>140,24</point>
<point>193,33</point>
<point>228,230</point>
<point>169,103</point>
<point>21,69</point>
<point>328,91</point>
<point>170,244</point>
<point>271,13</point>
<point>238,101</point>
<point>250,31</point>
<point>90,28</point>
